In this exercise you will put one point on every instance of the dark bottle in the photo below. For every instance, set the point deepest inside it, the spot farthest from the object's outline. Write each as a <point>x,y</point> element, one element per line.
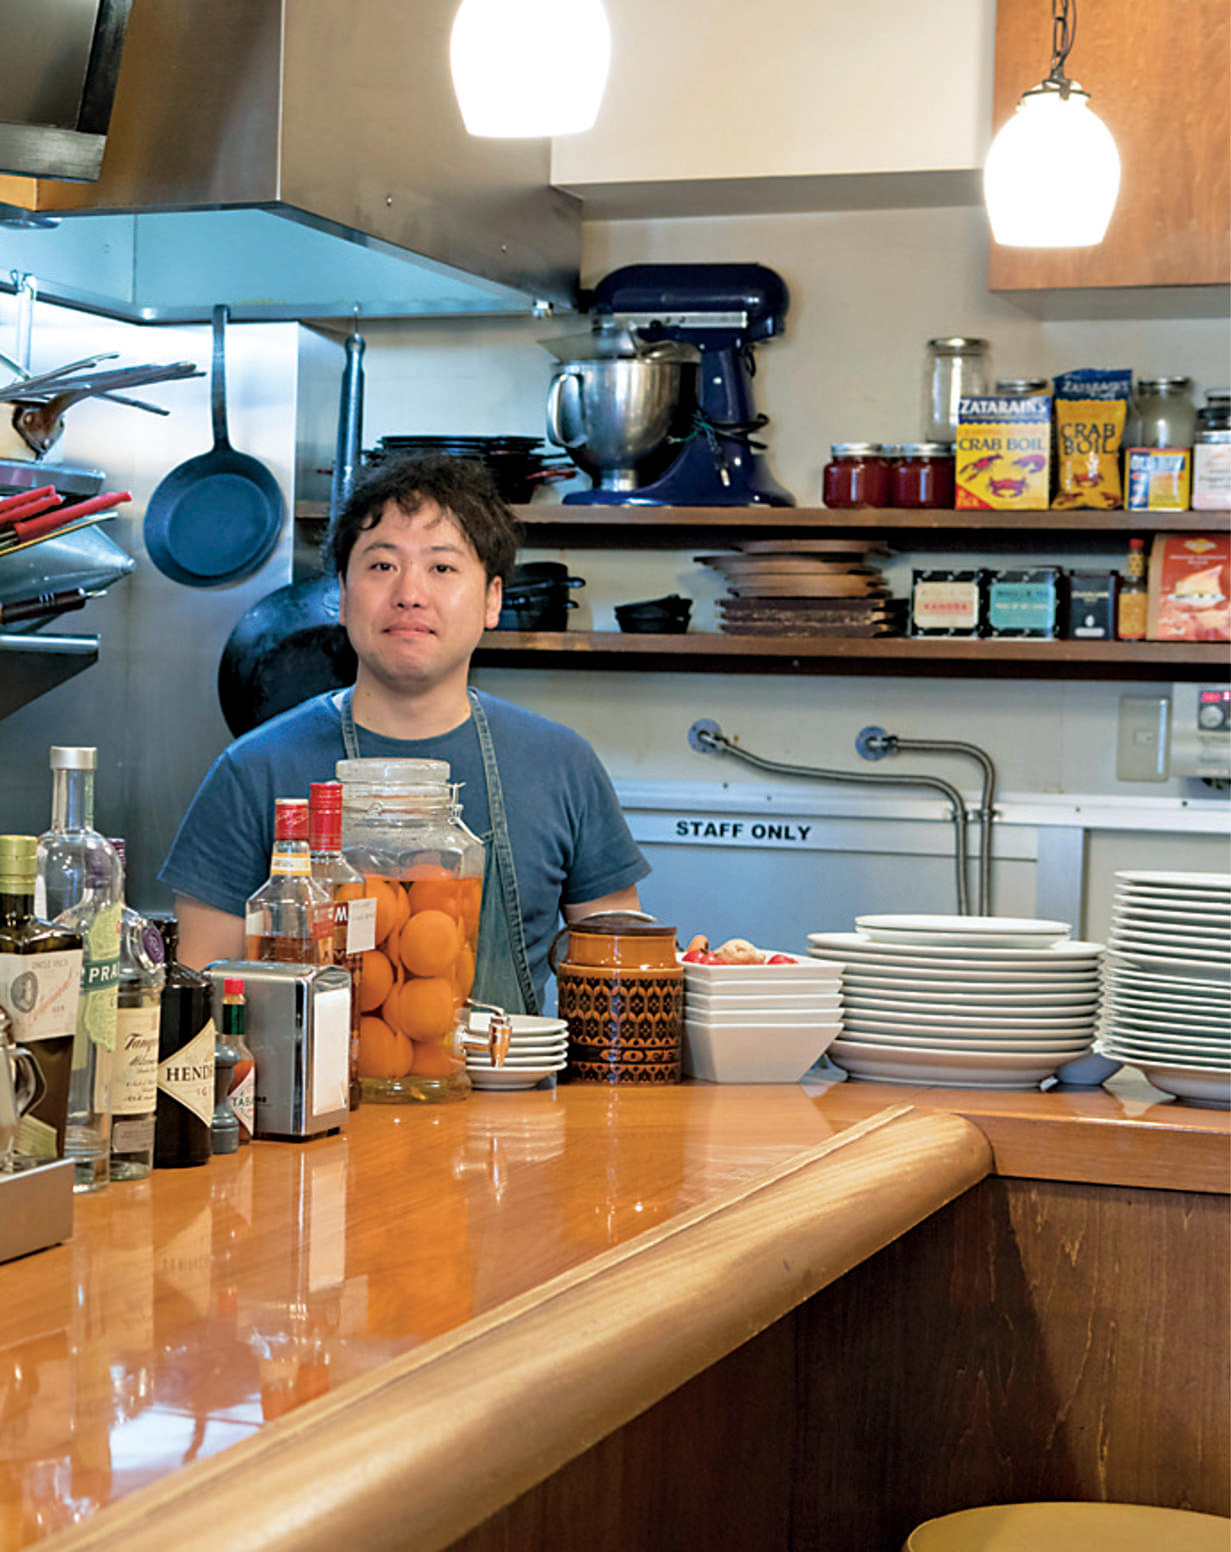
<point>40,970</point>
<point>242,1090</point>
<point>186,1039</point>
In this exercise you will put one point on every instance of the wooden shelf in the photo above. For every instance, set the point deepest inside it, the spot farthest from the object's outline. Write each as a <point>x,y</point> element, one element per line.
<point>701,652</point>
<point>634,527</point>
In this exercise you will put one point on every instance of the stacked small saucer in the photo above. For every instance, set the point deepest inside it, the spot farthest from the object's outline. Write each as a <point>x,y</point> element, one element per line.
<point>538,1049</point>
<point>1167,983</point>
<point>986,1002</point>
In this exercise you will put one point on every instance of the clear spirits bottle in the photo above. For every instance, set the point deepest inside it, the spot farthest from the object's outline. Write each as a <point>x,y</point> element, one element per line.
<point>80,886</point>
<point>354,918</point>
<point>40,975</point>
<point>290,918</point>
<point>134,1077</point>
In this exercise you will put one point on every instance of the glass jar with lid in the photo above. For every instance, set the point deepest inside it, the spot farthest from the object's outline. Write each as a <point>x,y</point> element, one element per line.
<point>1215,413</point>
<point>402,829</point>
<point>1021,387</point>
<point>1162,414</point>
<point>954,368</point>
<point>922,475</point>
<point>857,475</point>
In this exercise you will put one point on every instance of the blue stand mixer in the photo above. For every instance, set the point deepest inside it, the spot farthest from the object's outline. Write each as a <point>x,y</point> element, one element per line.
<point>655,402</point>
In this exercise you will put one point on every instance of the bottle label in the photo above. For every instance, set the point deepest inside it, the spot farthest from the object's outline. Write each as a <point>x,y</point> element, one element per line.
<point>133,1135</point>
<point>293,866</point>
<point>100,974</point>
<point>134,1079</point>
<point>243,1100</point>
<point>188,1076</point>
<point>359,917</point>
<point>39,993</point>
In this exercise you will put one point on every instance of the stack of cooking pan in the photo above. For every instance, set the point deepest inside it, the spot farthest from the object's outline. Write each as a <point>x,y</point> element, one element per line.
<point>518,464</point>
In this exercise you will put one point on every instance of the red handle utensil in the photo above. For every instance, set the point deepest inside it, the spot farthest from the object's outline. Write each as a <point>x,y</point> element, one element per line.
<point>37,527</point>
<point>28,503</point>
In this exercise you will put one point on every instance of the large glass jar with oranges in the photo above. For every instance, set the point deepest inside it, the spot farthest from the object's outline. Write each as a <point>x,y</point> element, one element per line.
<point>401,828</point>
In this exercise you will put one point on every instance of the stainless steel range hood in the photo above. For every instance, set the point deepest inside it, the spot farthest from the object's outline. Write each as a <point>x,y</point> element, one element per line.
<point>296,159</point>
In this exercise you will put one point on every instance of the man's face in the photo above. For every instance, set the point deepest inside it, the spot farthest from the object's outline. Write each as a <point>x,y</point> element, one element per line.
<point>415,599</point>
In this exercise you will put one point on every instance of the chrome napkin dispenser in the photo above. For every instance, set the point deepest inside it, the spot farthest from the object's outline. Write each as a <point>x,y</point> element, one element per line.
<point>298,1027</point>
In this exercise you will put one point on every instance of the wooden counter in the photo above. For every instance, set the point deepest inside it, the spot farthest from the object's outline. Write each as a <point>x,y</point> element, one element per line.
<point>477,1325</point>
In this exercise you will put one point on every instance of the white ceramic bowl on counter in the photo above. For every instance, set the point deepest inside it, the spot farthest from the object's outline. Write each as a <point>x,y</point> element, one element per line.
<point>755,1052</point>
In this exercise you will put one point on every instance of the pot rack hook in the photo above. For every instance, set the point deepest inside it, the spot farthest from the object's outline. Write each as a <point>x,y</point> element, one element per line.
<point>25,288</point>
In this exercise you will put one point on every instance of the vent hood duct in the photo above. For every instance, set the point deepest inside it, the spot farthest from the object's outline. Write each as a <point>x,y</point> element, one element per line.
<point>295,159</point>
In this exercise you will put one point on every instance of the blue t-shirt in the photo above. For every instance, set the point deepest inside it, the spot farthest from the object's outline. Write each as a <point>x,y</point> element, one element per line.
<point>570,840</point>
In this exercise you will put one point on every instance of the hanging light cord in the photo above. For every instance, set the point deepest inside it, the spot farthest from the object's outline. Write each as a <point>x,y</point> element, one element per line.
<point>1063,37</point>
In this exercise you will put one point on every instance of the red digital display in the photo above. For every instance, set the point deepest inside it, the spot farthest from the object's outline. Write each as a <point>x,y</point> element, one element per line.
<point>1215,697</point>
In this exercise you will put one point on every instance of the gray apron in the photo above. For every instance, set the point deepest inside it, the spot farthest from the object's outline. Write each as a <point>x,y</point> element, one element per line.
<point>502,968</point>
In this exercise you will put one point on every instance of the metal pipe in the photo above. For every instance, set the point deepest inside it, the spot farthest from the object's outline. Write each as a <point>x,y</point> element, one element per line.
<point>707,737</point>
<point>874,743</point>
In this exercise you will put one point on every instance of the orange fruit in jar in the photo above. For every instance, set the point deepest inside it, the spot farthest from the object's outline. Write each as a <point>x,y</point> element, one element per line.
<point>463,973</point>
<point>375,980</point>
<point>470,892</point>
<point>435,894</point>
<point>430,942</point>
<point>352,891</point>
<point>422,1008</point>
<point>383,1052</point>
<point>392,906</point>
<point>434,1060</point>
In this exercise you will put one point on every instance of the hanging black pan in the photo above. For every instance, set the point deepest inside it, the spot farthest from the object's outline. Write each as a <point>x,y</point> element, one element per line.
<point>215,518</point>
<point>286,648</point>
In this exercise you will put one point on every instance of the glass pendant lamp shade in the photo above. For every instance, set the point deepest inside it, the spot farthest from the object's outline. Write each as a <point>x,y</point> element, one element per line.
<point>1052,174</point>
<point>529,67</point>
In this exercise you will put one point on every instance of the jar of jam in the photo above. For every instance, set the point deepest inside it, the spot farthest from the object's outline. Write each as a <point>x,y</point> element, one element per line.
<point>922,475</point>
<point>857,475</point>
<point>401,828</point>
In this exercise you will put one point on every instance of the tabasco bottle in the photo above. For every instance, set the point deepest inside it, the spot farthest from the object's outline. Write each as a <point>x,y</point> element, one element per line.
<point>354,918</point>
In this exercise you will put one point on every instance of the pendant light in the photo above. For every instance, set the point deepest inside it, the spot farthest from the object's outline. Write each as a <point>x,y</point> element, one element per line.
<point>529,67</point>
<point>1053,172</point>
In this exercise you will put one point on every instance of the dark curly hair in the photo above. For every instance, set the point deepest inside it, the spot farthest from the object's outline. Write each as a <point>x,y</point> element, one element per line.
<point>462,487</point>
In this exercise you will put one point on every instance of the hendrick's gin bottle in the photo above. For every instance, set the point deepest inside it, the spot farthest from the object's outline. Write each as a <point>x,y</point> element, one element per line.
<point>186,1040</point>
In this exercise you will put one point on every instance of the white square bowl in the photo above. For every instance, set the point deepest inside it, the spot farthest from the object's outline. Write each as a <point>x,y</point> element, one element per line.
<point>755,1018</point>
<point>802,972</point>
<point>753,1053</point>
<point>821,994</point>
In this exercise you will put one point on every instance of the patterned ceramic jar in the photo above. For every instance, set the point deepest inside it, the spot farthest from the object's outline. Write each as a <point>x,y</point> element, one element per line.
<point>621,990</point>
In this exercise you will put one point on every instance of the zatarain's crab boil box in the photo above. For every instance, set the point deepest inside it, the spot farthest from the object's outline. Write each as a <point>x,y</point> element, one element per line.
<point>1004,452</point>
<point>1190,580</point>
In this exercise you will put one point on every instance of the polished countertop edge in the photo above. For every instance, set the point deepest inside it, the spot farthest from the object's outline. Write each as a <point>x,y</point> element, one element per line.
<point>1123,1135</point>
<point>521,1391</point>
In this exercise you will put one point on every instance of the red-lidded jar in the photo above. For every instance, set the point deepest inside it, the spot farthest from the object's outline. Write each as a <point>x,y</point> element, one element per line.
<point>922,475</point>
<point>857,475</point>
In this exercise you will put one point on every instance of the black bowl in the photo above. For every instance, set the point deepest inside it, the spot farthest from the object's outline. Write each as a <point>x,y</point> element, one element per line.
<point>656,616</point>
<point>548,613</point>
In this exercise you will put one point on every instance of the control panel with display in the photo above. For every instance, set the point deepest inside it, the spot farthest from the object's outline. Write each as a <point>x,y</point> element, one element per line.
<point>1201,730</point>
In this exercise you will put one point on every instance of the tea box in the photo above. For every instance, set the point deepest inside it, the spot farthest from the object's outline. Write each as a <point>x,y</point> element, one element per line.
<point>1025,602</point>
<point>1092,605</point>
<point>947,603</point>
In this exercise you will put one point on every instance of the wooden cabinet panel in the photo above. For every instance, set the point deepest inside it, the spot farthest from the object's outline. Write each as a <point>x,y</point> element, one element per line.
<point>1159,74</point>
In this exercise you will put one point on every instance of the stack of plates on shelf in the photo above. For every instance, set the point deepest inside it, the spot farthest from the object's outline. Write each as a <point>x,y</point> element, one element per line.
<point>759,1023</point>
<point>804,587</point>
<point>538,1049</point>
<point>1167,983</point>
<point>983,1002</point>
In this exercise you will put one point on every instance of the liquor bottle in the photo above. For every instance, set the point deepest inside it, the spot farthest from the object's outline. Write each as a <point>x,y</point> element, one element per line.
<point>40,976</point>
<point>290,917</point>
<point>134,1078</point>
<point>242,1088</point>
<point>354,918</point>
<point>1131,610</point>
<point>80,886</point>
<point>186,1040</point>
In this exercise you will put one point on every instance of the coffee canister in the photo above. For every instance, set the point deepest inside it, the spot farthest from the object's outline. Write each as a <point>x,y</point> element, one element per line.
<point>621,990</point>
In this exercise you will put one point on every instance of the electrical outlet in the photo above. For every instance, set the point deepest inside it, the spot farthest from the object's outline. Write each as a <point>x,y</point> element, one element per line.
<point>1142,741</point>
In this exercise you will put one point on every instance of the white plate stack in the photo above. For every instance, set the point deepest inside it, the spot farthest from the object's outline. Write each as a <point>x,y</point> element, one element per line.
<point>759,1023</point>
<point>538,1049</point>
<point>977,1002</point>
<point>1167,983</point>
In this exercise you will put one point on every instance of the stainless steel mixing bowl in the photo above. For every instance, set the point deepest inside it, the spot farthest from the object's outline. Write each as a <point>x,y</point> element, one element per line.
<point>614,416</point>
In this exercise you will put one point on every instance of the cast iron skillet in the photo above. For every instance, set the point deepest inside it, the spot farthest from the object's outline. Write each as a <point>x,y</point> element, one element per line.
<point>285,649</point>
<point>215,518</point>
